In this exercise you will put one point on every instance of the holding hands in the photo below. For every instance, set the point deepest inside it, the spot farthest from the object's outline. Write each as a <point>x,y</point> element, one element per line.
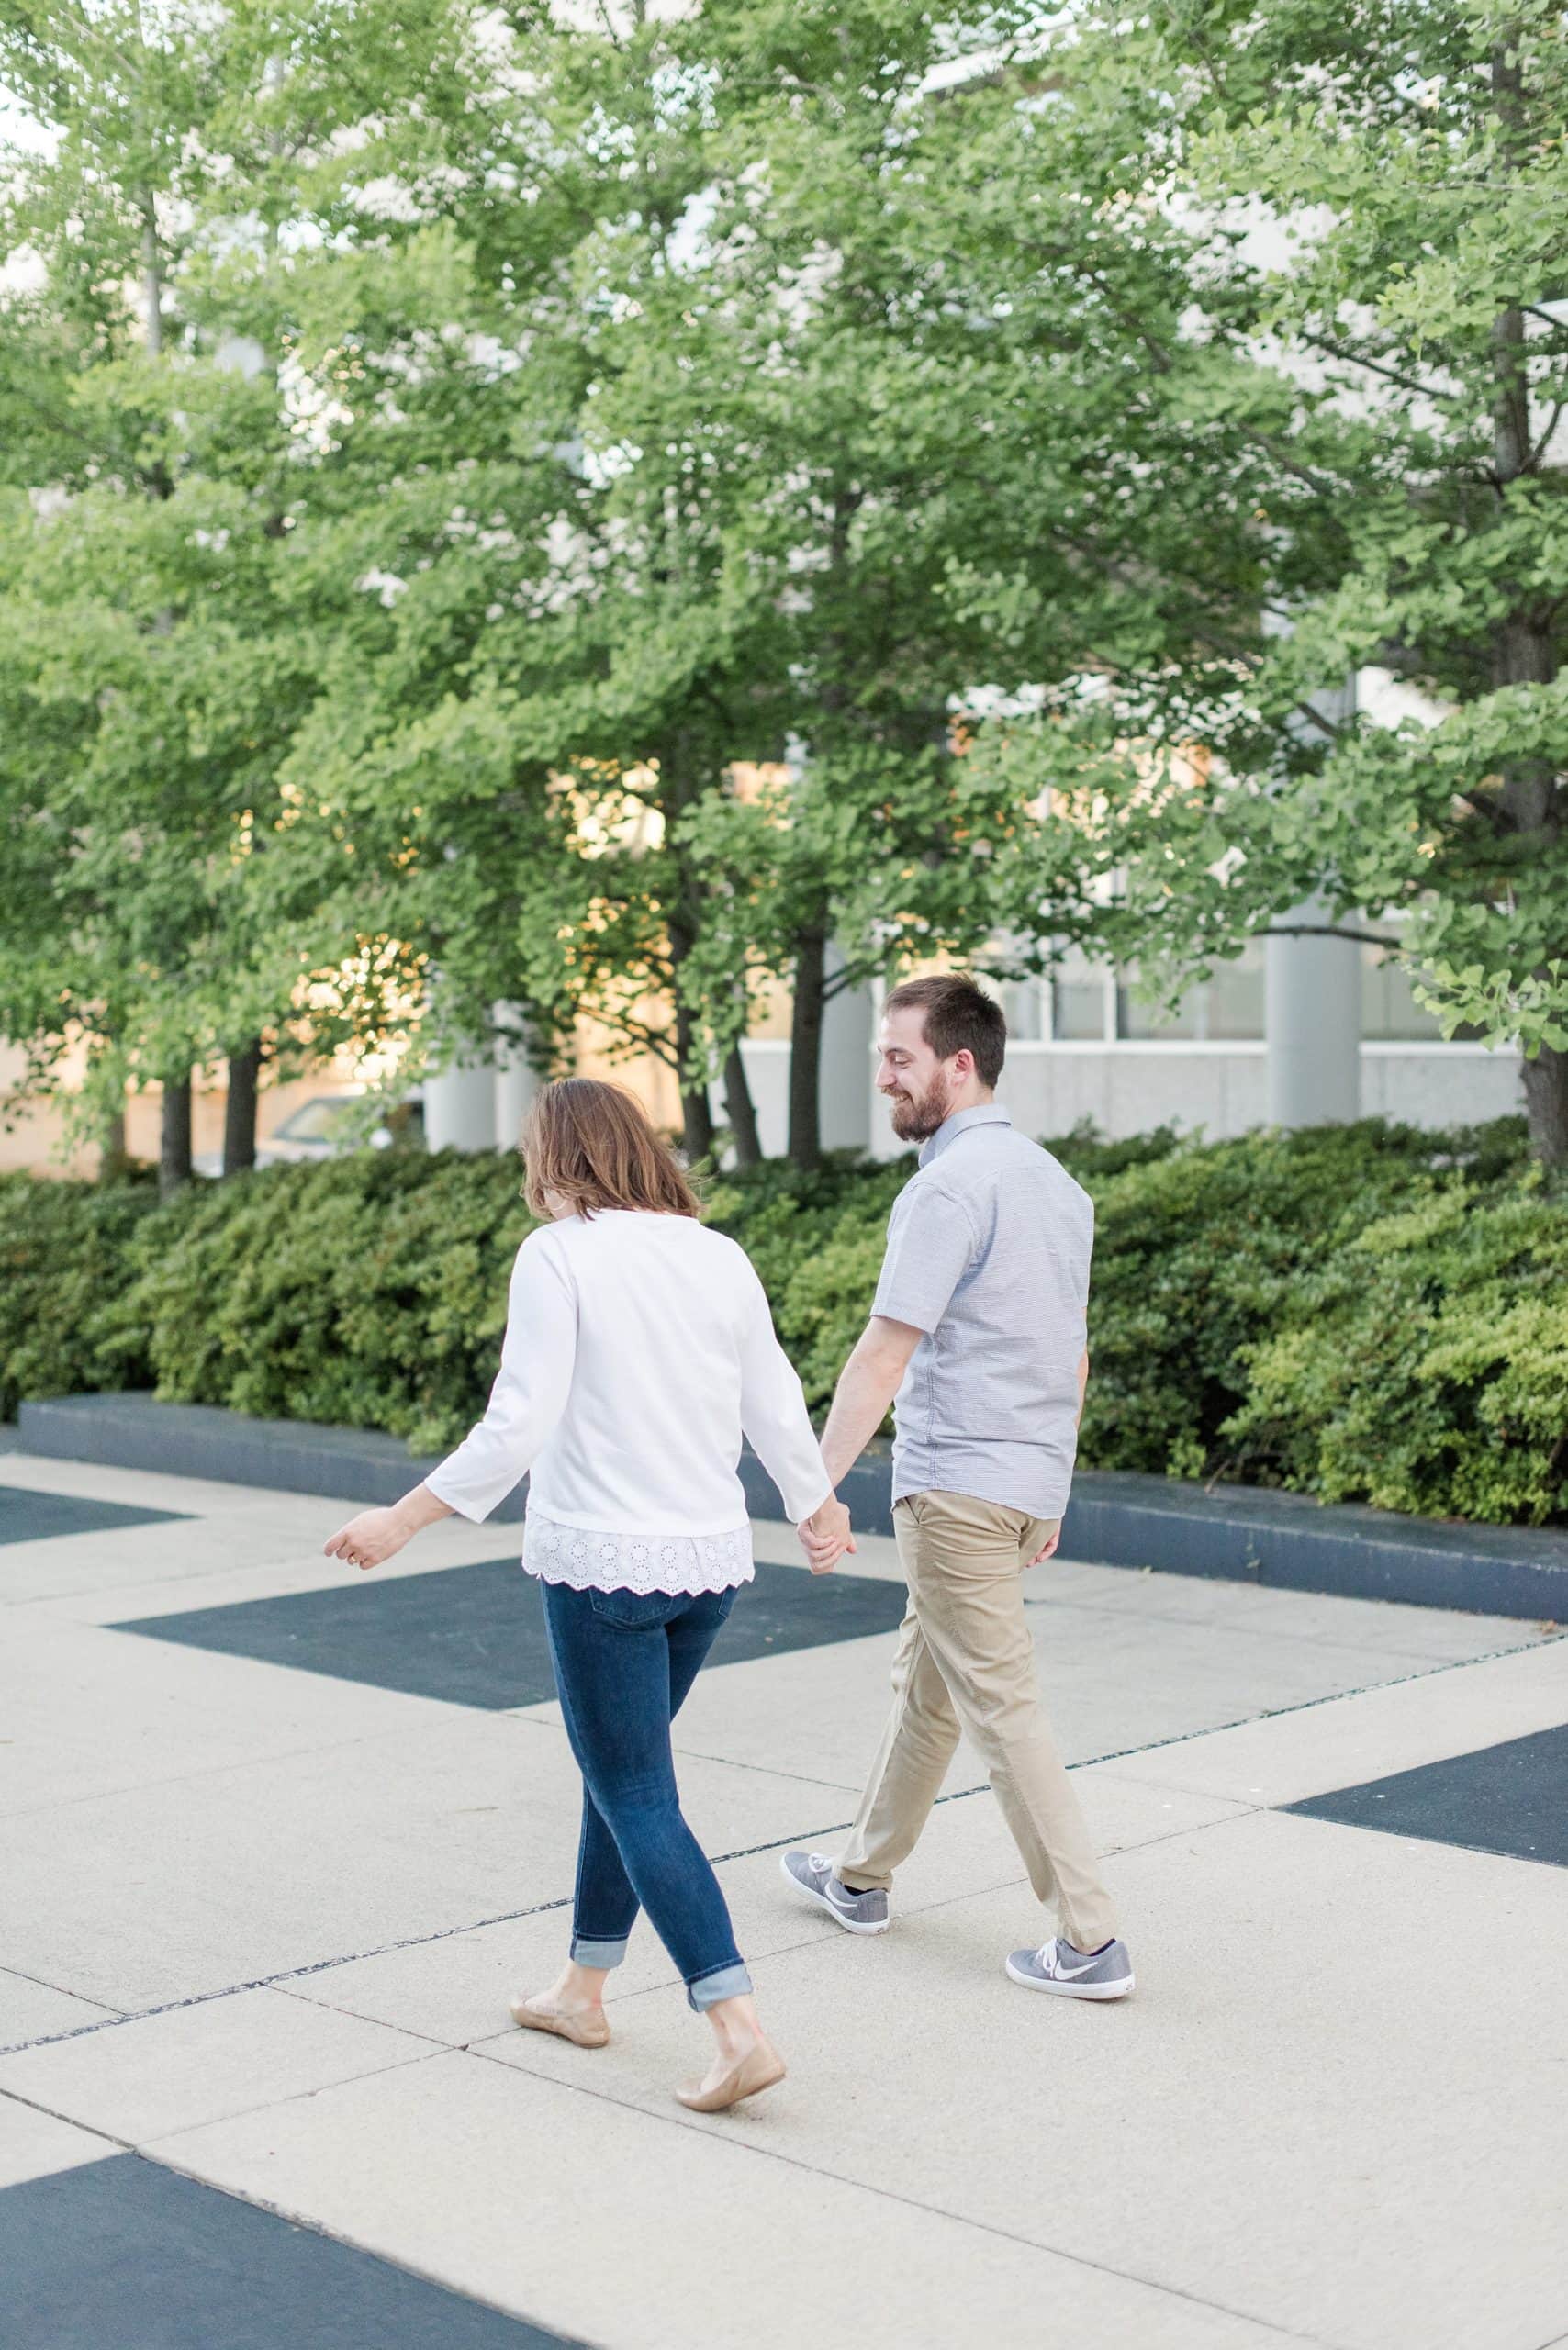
<point>825,1536</point>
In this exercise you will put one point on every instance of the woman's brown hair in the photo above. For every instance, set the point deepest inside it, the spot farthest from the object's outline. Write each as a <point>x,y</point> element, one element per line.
<point>592,1144</point>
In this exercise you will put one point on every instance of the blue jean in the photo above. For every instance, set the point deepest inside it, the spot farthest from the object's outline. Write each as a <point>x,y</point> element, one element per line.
<point>624,1661</point>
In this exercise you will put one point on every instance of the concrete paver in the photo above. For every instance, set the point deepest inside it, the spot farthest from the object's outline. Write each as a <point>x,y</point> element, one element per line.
<point>628,2227</point>
<point>1320,2120</point>
<point>1297,1617</point>
<point>456,1988</point>
<point>230,1558</point>
<point>168,1891</point>
<point>1295,2116</point>
<point>91,1712</point>
<point>33,2010</point>
<point>1393,1727</point>
<point>34,2144</point>
<point>170,2072</point>
<point>1115,1680</point>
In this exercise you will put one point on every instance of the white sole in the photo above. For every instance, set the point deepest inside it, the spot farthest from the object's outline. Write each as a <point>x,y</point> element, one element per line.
<point>820,1901</point>
<point>1072,1990</point>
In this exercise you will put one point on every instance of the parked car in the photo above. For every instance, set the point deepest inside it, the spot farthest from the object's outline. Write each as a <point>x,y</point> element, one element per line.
<point>325,1125</point>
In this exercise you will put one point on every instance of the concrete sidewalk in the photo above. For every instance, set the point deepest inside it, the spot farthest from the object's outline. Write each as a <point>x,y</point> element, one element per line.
<point>262,1912</point>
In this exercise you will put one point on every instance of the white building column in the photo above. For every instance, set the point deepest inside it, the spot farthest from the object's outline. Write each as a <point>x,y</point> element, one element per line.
<point>517,1079</point>
<point>460,1108</point>
<point>1312,1022</point>
<point>847,1027</point>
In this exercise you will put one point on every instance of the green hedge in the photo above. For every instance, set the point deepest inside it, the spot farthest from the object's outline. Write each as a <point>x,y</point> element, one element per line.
<point>1366,1312</point>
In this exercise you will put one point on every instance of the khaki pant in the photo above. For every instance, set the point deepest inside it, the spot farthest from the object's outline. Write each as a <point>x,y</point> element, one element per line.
<point>965,1661</point>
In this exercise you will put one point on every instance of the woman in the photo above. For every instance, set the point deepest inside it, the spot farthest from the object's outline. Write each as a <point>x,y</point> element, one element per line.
<point>639,1347</point>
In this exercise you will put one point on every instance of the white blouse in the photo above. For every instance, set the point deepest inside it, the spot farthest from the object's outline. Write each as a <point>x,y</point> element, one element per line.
<point>639,1351</point>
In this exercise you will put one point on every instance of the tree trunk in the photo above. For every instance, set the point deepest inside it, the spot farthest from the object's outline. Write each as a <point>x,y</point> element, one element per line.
<point>174,1141</point>
<point>114,1165</point>
<point>1523,652</point>
<point>806,1050</point>
<point>741,1109</point>
<point>239,1109</point>
<point>695,1111</point>
<point>1546,1105</point>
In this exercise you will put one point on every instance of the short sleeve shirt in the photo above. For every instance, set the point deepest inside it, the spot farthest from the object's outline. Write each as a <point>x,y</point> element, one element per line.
<point>989,1250</point>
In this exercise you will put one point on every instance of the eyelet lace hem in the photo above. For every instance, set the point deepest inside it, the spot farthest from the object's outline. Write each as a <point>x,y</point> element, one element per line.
<point>644,1562</point>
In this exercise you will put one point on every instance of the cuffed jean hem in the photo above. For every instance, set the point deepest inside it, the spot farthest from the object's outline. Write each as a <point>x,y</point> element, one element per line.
<point>724,1982</point>
<point>585,1953</point>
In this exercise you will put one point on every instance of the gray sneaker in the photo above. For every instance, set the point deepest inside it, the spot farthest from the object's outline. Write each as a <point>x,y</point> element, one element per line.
<point>1057,1966</point>
<point>857,1913</point>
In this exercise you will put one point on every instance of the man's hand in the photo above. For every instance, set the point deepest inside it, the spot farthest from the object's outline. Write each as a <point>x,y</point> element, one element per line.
<point>825,1536</point>
<point>1049,1551</point>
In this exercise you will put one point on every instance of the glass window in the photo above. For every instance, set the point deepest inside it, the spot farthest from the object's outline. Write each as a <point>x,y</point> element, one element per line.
<point>1235,992</point>
<point>1390,1012</point>
<point>1225,1007</point>
<point>1078,1002</point>
<point>1021,1002</point>
<point>1141,1022</point>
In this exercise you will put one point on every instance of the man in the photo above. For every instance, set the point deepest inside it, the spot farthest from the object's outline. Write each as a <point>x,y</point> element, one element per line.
<point>979,1327</point>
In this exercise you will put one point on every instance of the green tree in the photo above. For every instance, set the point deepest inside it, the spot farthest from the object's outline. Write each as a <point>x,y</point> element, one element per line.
<point>156,906</point>
<point>939,271</point>
<point>1376,203</point>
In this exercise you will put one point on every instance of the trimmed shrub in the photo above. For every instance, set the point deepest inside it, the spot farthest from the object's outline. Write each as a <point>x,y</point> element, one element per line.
<point>1423,1366</point>
<point>1366,1312</point>
<point>369,1290</point>
<point>63,1249</point>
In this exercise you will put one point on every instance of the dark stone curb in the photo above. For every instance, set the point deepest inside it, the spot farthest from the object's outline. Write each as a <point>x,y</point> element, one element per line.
<point>1293,1543</point>
<point>204,1440</point>
<point>1239,1533</point>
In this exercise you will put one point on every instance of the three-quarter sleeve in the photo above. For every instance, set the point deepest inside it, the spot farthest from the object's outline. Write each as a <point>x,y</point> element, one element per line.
<point>773,1413</point>
<point>530,1393</point>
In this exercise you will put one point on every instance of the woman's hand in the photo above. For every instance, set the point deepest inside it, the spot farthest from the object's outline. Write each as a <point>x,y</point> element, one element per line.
<point>825,1536</point>
<point>369,1539</point>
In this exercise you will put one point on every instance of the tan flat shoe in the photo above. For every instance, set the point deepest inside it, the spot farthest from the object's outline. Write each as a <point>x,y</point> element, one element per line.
<point>584,2030</point>
<point>758,2069</point>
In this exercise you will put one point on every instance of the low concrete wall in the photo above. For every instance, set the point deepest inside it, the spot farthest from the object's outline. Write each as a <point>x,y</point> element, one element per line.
<point>1235,1532</point>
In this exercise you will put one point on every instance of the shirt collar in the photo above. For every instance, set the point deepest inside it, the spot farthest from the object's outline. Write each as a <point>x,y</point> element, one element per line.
<point>983,1113</point>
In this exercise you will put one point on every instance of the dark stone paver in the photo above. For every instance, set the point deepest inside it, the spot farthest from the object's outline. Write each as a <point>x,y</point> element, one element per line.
<point>1511,1798</point>
<point>475,1636</point>
<point>26,1516</point>
<point>122,2255</point>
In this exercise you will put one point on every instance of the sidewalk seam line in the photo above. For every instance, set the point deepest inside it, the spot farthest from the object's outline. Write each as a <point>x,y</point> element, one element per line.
<point>215,2121</point>
<point>910,2202</point>
<point>750,1852</point>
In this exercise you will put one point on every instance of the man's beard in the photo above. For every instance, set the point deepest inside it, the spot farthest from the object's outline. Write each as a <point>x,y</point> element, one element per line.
<point>917,1117</point>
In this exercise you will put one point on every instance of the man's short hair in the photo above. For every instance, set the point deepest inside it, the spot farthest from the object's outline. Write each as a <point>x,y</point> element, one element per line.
<point>960,1015</point>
